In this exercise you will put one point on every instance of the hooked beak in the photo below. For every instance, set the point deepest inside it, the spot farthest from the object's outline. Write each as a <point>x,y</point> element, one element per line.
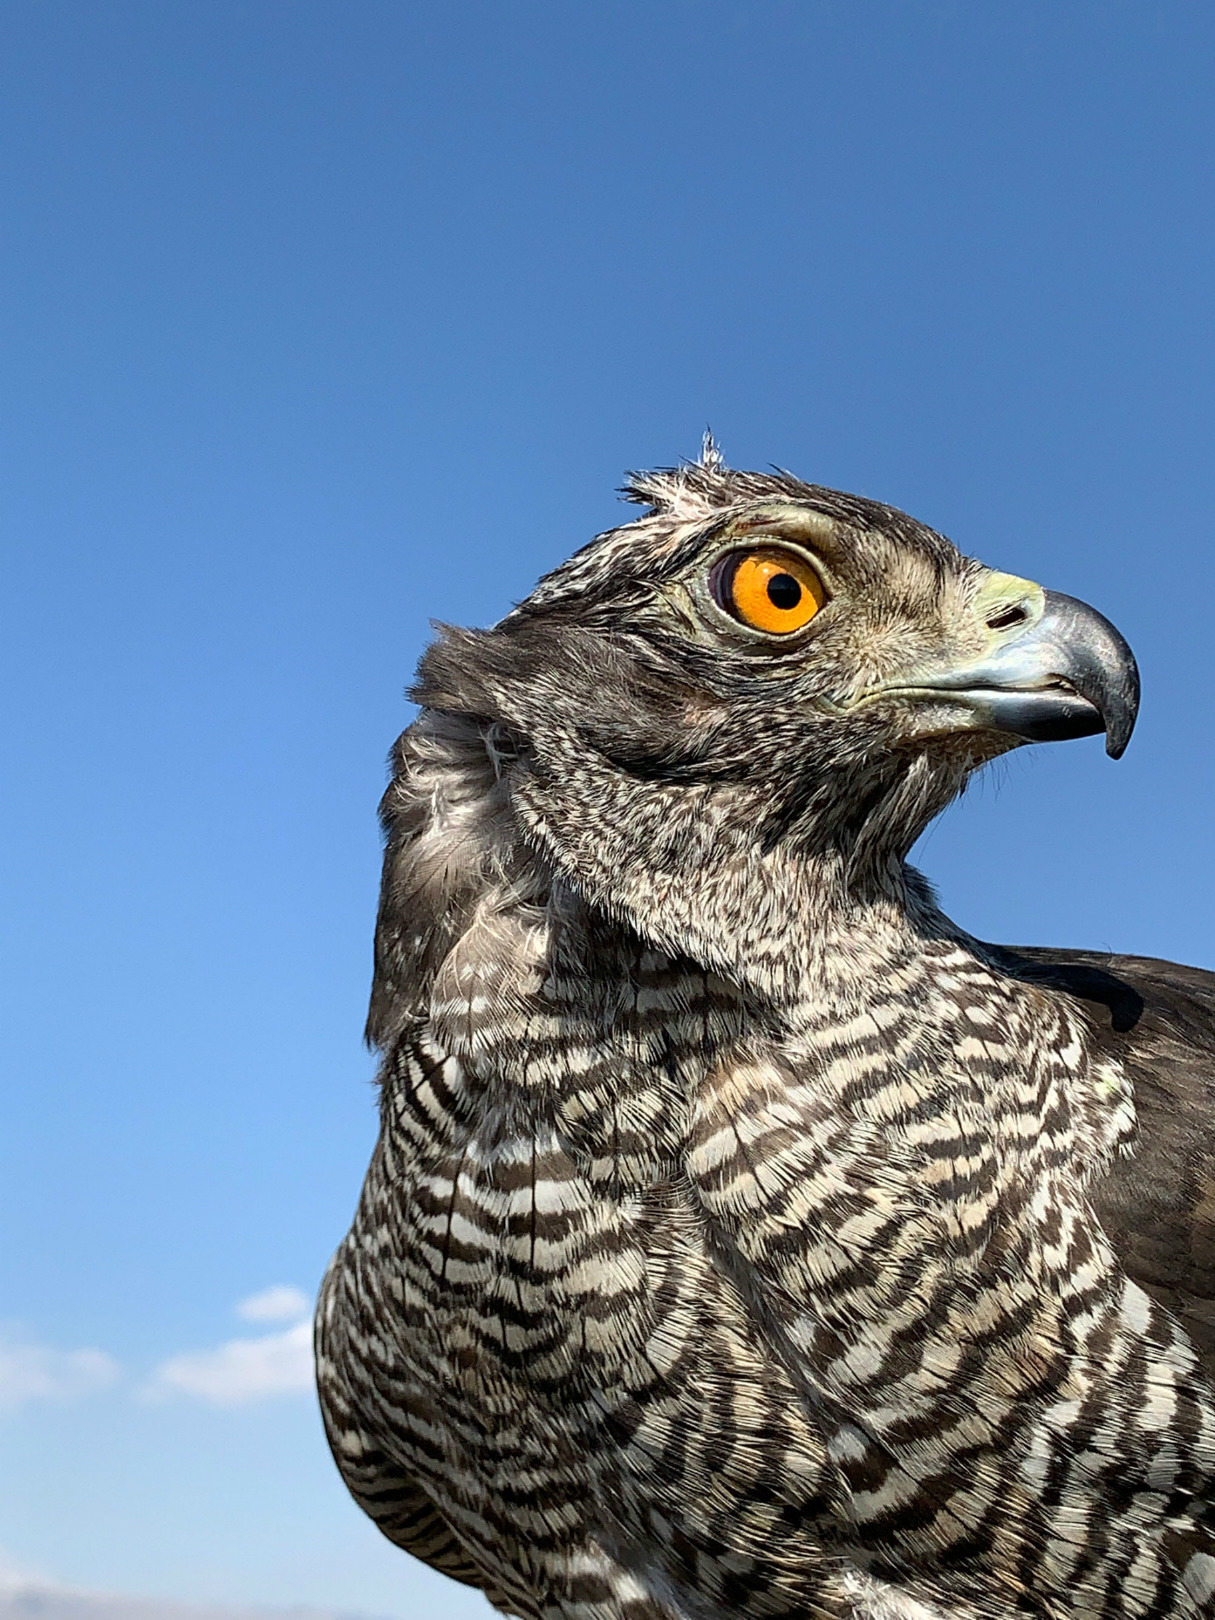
<point>1065,673</point>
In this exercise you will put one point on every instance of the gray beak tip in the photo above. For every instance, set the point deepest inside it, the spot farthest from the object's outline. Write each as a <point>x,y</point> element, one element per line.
<point>1095,658</point>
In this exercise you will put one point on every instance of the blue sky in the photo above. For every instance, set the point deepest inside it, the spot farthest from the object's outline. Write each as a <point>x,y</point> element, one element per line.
<point>323,320</point>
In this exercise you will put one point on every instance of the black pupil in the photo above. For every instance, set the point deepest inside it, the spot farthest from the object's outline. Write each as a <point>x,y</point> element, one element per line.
<point>784,592</point>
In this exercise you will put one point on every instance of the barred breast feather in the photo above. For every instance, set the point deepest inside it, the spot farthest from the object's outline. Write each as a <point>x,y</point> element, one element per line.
<point>657,1304</point>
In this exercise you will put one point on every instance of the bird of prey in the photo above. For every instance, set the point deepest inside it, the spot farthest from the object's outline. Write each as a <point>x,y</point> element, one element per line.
<point>743,1237</point>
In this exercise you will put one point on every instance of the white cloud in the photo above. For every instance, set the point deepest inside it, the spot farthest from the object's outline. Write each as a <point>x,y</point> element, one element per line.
<point>15,1577</point>
<point>282,1303</point>
<point>242,1370</point>
<point>33,1372</point>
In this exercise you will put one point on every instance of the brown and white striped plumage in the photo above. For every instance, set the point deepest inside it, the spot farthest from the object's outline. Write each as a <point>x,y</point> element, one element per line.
<point>732,1241</point>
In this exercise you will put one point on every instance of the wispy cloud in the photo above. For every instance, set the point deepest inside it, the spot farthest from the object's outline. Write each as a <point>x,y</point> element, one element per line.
<point>15,1577</point>
<point>282,1303</point>
<point>241,1371</point>
<point>34,1372</point>
<point>233,1374</point>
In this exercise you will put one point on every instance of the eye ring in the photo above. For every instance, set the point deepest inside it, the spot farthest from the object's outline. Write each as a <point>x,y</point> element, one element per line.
<point>768,588</point>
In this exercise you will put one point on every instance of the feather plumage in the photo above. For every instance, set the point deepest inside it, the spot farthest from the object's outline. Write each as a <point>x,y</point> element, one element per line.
<point>743,1237</point>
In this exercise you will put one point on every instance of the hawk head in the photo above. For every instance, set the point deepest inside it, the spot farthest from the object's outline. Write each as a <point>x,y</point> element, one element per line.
<point>760,683</point>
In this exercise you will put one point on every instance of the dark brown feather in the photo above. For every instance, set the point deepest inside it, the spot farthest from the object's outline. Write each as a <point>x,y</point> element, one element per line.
<point>1158,1206</point>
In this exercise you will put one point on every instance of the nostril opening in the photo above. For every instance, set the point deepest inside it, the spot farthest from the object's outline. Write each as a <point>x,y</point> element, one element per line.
<point>1007,617</point>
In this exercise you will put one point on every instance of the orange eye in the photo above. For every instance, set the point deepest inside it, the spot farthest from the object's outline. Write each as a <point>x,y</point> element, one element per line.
<point>771,590</point>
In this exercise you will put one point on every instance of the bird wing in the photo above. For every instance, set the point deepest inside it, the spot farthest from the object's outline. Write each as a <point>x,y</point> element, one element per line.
<point>1157,1205</point>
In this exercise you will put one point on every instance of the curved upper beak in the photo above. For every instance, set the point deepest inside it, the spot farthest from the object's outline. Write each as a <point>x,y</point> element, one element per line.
<point>1066,672</point>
